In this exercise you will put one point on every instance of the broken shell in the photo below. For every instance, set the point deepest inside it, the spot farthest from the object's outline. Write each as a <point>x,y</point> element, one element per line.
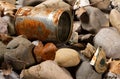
<point>67,57</point>
<point>99,61</point>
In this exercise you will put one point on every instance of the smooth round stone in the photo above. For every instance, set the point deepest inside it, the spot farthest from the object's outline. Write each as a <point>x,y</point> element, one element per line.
<point>67,57</point>
<point>109,40</point>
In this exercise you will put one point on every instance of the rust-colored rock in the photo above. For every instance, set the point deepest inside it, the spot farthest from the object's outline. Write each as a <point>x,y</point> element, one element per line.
<point>45,53</point>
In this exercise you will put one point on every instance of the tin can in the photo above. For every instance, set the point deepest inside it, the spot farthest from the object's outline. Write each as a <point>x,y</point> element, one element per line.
<point>45,24</point>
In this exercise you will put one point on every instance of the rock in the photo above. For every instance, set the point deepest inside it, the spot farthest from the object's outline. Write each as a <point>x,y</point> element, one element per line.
<point>21,54</point>
<point>3,50</point>
<point>3,26</point>
<point>46,52</point>
<point>31,2</point>
<point>89,51</point>
<point>46,70</point>
<point>85,71</point>
<point>7,8</point>
<point>91,19</point>
<point>5,38</point>
<point>10,23</point>
<point>54,4</point>
<point>101,4</point>
<point>10,1</point>
<point>108,39</point>
<point>114,15</point>
<point>67,57</point>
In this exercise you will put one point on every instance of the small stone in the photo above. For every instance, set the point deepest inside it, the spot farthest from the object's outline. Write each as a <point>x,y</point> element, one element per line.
<point>67,57</point>
<point>86,71</point>
<point>114,19</point>
<point>46,52</point>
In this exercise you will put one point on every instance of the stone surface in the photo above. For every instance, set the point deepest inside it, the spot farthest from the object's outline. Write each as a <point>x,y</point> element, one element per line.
<point>21,55</point>
<point>114,19</point>
<point>85,71</point>
<point>93,19</point>
<point>67,57</point>
<point>46,70</point>
<point>108,39</point>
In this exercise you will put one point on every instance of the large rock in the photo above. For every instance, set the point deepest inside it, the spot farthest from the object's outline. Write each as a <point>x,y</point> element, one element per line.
<point>86,71</point>
<point>92,19</point>
<point>67,57</point>
<point>101,4</point>
<point>21,55</point>
<point>109,38</point>
<point>46,70</point>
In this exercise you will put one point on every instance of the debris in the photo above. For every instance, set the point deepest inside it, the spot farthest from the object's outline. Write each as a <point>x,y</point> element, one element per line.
<point>67,57</point>
<point>99,60</point>
<point>89,51</point>
<point>51,24</point>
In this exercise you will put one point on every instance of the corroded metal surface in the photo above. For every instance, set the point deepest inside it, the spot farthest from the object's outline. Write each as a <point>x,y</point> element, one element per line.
<point>45,24</point>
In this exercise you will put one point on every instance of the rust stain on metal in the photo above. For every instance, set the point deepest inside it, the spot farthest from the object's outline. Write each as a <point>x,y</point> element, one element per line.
<point>48,11</point>
<point>56,16</point>
<point>32,29</point>
<point>24,11</point>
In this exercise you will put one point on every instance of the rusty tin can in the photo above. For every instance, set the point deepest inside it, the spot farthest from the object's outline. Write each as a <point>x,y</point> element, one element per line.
<point>45,24</point>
